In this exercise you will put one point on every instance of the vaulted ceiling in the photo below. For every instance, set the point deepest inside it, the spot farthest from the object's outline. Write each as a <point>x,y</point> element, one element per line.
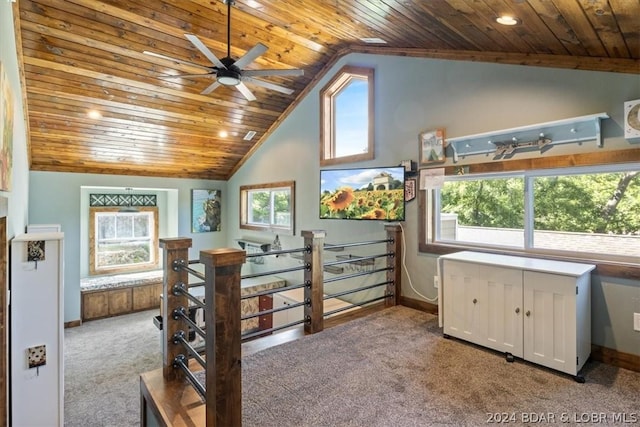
<point>84,55</point>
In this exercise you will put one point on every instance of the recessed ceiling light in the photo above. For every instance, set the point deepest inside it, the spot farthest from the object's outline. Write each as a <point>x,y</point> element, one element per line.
<point>373,40</point>
<point>94,114</point>
<point>223,134</point>
<point>507,20</point>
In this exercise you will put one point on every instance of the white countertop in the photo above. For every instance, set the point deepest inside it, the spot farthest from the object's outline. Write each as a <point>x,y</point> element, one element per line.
<point>522,263</point>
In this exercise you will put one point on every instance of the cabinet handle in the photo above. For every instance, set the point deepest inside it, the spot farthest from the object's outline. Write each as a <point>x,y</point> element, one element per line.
<point>528,313</point>
<point>517,310</point>
<point>475,300</point>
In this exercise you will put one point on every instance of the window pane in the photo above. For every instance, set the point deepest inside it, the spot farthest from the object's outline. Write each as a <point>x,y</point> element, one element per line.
<point>260,207</point>
<point>141,225</point>
<point>488,211</point>
<point>124,226</point>
<point>281,207</point>
<point>595,213</point>
<point>124,239</point>
<point>106,226</point>
<point>351,110</point>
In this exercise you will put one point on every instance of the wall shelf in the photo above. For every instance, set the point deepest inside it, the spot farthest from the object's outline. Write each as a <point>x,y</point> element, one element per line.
<point>356,260</point>
<point>541,136</point>
<point>248,243</point>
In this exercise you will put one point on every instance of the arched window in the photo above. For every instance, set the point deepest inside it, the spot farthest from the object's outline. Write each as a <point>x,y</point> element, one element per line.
<point>346,117</point>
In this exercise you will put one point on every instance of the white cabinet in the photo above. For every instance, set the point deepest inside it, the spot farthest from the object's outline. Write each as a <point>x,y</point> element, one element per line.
<point>295,314</point>
<point>290,315</point>
<point>483,305</point>
<point>531,308</point>
<point>37,329</point>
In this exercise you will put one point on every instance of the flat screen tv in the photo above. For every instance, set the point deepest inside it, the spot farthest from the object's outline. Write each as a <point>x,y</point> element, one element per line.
<point>372,193</point>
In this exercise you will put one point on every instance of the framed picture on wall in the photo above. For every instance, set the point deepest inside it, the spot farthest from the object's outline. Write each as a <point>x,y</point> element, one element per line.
<point>410,189</point>
<point>431,147</point>
<point>205,210</point>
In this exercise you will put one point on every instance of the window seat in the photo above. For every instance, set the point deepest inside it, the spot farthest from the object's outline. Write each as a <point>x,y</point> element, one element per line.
<point>107,296</point>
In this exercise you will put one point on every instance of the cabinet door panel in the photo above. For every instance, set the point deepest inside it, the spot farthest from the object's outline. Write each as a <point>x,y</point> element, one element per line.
<point>464,301</point>
<point>95,305</point>
<point>147,296</point>
<point>504,311</point>
<point>550,320</point>
<point>120,301</point>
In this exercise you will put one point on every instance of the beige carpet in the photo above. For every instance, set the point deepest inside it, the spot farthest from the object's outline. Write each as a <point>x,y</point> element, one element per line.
<point>394,368</point>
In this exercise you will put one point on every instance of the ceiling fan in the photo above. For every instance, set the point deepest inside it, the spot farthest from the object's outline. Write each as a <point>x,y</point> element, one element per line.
<point>230,72</point>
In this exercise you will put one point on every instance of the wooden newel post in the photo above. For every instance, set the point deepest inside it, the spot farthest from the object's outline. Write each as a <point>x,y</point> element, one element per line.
<point>222,343</point>
<point>314,239</point>
<point>394,235</point>
<point>174,250</point>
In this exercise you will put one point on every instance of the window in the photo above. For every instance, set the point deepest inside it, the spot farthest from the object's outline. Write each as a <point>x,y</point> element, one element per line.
<point>572,211</point>
<point>123,241</point>
<point>346,112</point>
<point>268,207</point>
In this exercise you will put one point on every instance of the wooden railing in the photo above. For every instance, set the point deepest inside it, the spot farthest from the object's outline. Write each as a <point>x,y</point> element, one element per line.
<point>222,389</point>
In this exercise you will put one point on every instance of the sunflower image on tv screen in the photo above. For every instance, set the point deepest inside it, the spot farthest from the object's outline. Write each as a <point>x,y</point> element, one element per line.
<point>365,194</point>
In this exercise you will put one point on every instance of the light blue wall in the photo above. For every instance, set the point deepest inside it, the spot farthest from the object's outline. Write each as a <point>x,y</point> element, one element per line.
<point>17,197</point>
<point>57,198</point>
<point>413,95</point>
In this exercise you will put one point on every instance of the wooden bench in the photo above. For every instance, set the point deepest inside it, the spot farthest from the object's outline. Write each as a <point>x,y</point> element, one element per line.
<point>107,296</point>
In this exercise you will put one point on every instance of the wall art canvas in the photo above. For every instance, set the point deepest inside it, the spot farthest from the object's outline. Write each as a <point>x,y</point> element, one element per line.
<point>432,147</point>
<point>6,131</point>
<point>205,210</point>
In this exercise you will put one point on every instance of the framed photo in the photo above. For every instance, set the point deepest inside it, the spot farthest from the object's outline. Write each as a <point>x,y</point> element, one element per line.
<point>431,147</point>
<point>409,189</point>
<point>205,211</point>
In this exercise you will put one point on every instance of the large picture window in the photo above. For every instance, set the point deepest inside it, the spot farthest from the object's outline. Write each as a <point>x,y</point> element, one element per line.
<point>268,207</point>
<point>123,241</point>
<point>589,212</point>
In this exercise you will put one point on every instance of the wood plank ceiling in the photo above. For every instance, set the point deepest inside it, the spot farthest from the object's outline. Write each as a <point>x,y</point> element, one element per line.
<point>82,55</point>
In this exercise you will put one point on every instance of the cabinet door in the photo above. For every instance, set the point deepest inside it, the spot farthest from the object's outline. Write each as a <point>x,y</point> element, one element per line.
<point>290,315</point>
<point>550,321</point>
<point>95,305</point>
<point>503,308</point>
<point>280,317</point>
<point>120,301</point>
<point>483,305</point>
<point>147,296</point>
<point>464,302</point>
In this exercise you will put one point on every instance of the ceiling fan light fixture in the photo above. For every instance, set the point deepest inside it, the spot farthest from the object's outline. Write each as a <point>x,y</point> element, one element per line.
<point>228,77</point>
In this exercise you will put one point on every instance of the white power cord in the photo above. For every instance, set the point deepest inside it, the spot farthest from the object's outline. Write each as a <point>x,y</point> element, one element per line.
<point>404,265</point>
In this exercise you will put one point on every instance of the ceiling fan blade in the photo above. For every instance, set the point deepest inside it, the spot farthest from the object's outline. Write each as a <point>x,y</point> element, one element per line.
<point>250,55</point>
<point>267,85</point>
<point>205,51</point>
<point>179,61</point>
<point>246,92</point>
<point>187,76</point>
<point>256,73</point>
<point>210,88</point>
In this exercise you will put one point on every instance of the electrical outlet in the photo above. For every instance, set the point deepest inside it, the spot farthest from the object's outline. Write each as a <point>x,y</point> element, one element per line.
<point>636,322</point>
<point>436,282</point>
